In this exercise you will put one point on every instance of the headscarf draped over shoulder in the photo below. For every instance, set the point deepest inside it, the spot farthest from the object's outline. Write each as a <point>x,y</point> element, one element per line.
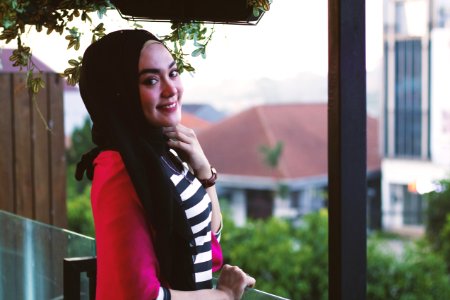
<point>109,88</point>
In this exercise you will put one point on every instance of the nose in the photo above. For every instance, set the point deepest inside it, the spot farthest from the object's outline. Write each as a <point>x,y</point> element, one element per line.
<point>169,89</point>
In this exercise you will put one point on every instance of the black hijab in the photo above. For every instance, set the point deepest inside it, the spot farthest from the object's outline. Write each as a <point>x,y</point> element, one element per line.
<point>109,88</point>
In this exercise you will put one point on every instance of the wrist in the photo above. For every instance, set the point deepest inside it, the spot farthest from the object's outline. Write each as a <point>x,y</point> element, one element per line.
<point>225,294</point>
<point>208,180</point>
<point>204,172</point>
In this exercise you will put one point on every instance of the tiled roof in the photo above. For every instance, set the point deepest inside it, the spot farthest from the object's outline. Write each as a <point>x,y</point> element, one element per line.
<point>233,145</point>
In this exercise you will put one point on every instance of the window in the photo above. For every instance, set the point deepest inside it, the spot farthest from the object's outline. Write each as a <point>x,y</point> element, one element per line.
<point>412,212</point>
<point>408,98</point>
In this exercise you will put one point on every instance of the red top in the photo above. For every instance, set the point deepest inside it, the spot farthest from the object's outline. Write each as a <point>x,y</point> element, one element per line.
<point>127,266</point>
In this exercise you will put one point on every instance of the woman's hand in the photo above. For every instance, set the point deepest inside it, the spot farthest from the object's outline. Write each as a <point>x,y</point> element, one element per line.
<point>185,141</point>
<point>231,285</point>
<point>233,281</point>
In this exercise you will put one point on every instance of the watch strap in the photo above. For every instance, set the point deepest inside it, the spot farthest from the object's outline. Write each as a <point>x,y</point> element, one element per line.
<point>206,183</point>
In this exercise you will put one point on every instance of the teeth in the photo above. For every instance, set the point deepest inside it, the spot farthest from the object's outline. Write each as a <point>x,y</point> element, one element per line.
<point>170,105</point>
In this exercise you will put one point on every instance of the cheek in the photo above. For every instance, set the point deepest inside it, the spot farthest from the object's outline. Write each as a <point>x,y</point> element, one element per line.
<point>147,99</point>
<point>180,89</point>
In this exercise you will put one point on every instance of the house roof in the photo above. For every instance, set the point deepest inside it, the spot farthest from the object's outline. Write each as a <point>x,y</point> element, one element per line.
<point>233,146</point>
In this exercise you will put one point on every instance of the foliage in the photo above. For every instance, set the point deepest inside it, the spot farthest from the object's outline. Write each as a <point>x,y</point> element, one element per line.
<point>445,242</point>
<point>79,213</point>
<point>272,154</point>
<point>18,16</point>
<point>81,142</point>
<point>285,261</point>
<point>292,261</point>
<point>78,199</point>
<point>259,6</point>
<point>54,16</point>
<point>438,208</point>
<point>418,274</point>
<point>195,31</point>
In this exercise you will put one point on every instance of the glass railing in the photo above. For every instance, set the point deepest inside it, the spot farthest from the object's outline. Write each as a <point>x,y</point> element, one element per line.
<point>31,260</point>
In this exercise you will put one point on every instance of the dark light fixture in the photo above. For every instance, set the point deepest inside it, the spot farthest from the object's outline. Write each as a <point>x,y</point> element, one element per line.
<point>209,11</point>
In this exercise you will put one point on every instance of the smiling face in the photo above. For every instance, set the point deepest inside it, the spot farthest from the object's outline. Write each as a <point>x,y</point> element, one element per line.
<point>160,87</point>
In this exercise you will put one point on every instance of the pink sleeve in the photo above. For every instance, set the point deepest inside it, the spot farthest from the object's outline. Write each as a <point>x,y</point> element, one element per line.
<point>127,267</point>
<point>217,258</point>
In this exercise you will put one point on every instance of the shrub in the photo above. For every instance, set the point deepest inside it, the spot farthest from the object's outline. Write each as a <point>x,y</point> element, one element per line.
<point>293,261</point>
<point>286,261</point>
<point>438,208</point>
<point>79,214</point>
<point>418,274</point>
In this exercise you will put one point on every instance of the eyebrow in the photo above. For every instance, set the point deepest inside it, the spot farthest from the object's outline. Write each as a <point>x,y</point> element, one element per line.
<point>154,71</point>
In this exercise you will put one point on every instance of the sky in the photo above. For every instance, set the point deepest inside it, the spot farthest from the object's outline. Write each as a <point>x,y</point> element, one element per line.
<point>283,58</point>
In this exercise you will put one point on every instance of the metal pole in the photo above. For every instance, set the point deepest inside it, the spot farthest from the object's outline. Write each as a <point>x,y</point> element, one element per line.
<point>347,149</point>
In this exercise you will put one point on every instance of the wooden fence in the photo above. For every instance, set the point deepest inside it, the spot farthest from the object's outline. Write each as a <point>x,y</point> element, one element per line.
<point>32,158</point>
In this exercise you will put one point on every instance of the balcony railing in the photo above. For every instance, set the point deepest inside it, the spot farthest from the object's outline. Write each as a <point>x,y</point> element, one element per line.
<point>32,255</point>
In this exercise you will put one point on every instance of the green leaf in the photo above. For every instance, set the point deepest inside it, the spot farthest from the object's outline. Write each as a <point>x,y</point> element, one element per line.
<point>73,62</point>
<point>256,12</point>
<point>197,52</point>
<point>8,23</point>
<point>101,12</point>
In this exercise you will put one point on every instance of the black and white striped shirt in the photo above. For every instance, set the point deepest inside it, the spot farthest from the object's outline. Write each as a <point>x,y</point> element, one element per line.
<point>197,206</point>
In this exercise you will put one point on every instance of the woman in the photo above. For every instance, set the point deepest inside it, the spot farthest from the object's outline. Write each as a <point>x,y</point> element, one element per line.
<point>157,224</point>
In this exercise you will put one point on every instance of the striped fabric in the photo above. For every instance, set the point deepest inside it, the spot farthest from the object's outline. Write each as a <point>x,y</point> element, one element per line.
<point>164,294</point>
<point>197,206</point>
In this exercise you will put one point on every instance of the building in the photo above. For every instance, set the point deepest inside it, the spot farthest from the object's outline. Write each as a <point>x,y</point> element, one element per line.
<point>272,160</point>
<point>203,111</point>
<point>416,107</point>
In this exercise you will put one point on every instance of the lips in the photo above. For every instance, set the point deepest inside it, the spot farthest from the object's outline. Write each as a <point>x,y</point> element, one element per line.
<point>168,107</point>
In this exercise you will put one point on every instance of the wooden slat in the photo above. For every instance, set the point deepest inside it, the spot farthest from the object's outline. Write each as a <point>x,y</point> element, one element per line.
<point>57,160</point>
<point>22,163</point>
<point>41,157</point>
<point>6,145</point>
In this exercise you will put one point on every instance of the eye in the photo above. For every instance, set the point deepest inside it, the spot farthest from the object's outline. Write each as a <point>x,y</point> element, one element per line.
<point>150,81</point>
<point>174,73</point>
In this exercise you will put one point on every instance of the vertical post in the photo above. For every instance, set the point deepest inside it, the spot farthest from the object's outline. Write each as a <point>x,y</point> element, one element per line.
<point>57,151</point>
<point>347,149</point>
<point>73,267</point>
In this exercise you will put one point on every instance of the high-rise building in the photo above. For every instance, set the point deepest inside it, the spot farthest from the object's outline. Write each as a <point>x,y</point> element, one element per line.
<point>416,107</point>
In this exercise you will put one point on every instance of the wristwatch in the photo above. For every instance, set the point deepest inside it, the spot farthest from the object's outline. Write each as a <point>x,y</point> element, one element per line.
<point>206,183</point>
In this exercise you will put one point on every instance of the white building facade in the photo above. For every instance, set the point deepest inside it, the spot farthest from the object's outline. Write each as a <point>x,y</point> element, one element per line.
<point>415,108</point>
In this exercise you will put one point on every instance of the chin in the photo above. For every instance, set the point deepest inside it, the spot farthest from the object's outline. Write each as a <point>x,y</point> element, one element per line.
<point>171,123</point>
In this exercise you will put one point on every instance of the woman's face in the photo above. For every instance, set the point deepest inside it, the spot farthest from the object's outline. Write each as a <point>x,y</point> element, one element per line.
<point>160,86</point>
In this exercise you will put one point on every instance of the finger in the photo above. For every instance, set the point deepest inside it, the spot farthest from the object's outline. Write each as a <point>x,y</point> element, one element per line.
<point>186,130</point>
<point>168,129</point>
<point>179,136</point>
<point>179,145</point>
<point>251,281</point>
